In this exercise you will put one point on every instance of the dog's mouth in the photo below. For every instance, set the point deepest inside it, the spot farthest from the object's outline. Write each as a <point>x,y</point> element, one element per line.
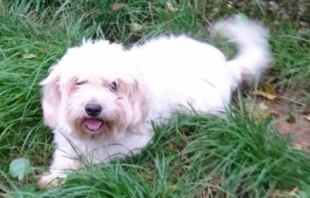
<point>93,124</point>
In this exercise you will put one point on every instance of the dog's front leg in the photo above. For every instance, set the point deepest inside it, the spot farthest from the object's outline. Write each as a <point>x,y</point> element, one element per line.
<point>62,162</point>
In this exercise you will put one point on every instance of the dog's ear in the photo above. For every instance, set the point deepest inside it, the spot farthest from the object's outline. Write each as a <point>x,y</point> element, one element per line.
<point>137,97</point>
<point>51,98</point>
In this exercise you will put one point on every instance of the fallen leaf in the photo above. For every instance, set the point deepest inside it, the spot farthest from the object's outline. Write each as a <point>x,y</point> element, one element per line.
<point>263,106</point>
<point>265,115</point>
<point>171,7</point>
<point>267,87</point>
<point>307,117</point>
<point>259,114</point>
<point>29,56</point>
<point>172,187</point>
<point>136,27</point>
<point>294,191</point>
<point>118,6</point>
<point>264,94</point>
<point>297,146</point>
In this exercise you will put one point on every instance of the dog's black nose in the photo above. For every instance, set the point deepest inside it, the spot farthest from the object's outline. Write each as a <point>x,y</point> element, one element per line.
<point>93,110</point>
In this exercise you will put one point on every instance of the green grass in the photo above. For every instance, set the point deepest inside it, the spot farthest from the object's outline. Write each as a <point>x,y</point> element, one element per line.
<point>192,156</point>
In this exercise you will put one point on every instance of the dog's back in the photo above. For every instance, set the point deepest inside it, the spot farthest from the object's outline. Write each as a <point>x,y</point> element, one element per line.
<point>182,72</point>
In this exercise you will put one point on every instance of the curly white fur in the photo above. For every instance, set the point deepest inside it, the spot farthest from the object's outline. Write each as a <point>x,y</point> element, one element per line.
<point>99,99</point>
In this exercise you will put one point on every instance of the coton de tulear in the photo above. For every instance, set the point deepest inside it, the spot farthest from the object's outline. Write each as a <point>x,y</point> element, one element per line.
<point>100,98</point>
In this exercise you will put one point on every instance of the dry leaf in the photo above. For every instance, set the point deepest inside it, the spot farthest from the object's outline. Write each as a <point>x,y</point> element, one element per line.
<point>307,117</point>
<point>265,115</point>
<point>118,6</point>
<point>297,146</point>
<point>136,27</point>
<point>171,187</point>
<point>258,114</point>
<point>264,94</point>
<point>29,56</point>
<point>267,91</point>
<point>263,106</point>
<point>294,191</point>
<point>267,87</point>
<point>171,7</point>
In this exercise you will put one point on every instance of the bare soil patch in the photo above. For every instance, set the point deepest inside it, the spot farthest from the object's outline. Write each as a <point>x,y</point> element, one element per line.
<point>290,114</point>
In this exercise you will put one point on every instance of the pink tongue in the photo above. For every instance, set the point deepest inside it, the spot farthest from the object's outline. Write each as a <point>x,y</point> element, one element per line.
<point>93,124</point>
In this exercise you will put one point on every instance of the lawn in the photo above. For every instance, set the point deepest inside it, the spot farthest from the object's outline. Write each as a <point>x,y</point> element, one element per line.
<point>261,150</point>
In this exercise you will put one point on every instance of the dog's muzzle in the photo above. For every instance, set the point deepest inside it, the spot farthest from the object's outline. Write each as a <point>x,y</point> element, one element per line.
<point>93,123</point>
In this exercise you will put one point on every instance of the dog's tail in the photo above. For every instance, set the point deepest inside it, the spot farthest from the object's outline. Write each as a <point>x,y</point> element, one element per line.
<point>251,39</point>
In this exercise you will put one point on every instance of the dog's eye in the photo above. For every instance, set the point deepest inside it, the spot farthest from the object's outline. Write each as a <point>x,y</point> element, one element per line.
<point>82,82</point>
<point>113,86</point>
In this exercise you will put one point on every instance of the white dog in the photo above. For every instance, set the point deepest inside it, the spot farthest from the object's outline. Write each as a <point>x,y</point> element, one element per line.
<point>99,99</point>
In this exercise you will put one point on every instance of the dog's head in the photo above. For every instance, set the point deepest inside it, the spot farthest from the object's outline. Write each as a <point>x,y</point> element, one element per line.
<point>91,91</point>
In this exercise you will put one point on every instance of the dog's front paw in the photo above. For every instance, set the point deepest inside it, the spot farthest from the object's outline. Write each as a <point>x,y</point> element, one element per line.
<point>51,180</point>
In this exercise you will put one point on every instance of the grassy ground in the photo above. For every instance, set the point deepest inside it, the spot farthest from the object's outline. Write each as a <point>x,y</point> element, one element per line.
<point>197,156</point>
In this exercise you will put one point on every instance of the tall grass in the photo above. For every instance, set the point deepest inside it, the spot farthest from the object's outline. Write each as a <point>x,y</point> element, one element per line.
<point>192,156</point>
